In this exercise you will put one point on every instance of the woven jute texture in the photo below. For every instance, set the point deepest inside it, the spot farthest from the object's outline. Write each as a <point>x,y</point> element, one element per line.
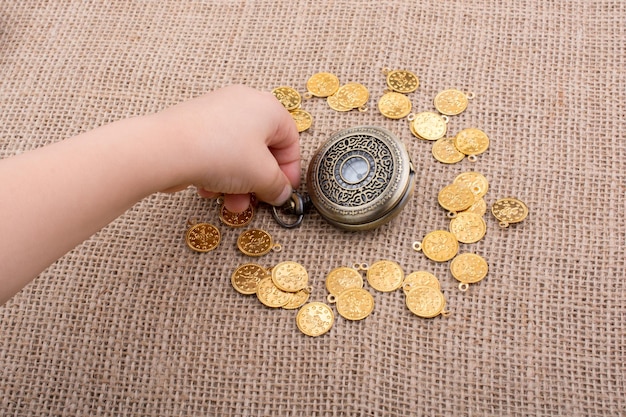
<point>132,322</point>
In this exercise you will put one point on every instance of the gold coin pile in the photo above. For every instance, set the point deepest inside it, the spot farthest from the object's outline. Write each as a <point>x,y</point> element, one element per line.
<point>339,97</point>
<point>394,104</point>
<point>291,100</point>
<point>423,295</point>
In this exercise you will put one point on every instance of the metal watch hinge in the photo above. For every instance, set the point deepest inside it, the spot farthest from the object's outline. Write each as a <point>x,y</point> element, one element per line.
<point>296,206</point>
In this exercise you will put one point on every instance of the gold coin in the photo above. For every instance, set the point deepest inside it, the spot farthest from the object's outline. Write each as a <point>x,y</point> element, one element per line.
<point>255,242</point>
<point>469,268</point>
<point>290,276</point>
<point>471,141</point>
<point>445,151</point>
<point>352,95</point>
<point>429,126</point>
<point>333,102</point>
<point>394,105</point>
<point>355,304</point>
<point>509,210</point>
<point>451,102</point>
<point>303,119</point>
<point>402,81</point>
<point>426,302</point>
<point>246,278</point>
<point>421,279</point>
<point>288,97</point>
<point>456,197</point>
<point>343,278</point>
<point>385,276</point>
<point>479,207</point>
<point>475,181</point>
<point>270,295</point>
<point>322,84</point>
<point>298,299</point>
<point>203,237</point>
<point>315,319</point>
<point>439,246</point>
<point>234,219</point>
<point>468,227</point>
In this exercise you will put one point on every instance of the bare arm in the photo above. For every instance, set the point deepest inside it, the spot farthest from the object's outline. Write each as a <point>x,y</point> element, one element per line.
<point>235,141</point>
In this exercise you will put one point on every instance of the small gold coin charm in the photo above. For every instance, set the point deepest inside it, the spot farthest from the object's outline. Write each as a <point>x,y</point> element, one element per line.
<point>343,278</point>
<point>385,276</point>
<point>233,219</point>
<point>479,207</point>
<point>203,237</point>
<point>428,125</point>
<point>452,102</point>
<point>290,276</point>
<point>471,141</point>
<point>333,102</point>
<point>353,95</point>
<point>288,97</point>
<point>475,181</point>
<point>394,105</point>
<point>445,151</point>
<point>322,84</point>
<point>439,246</point>
<point>353,303</point>
<point>509,210</point>
<point>426,302</point>
<point>298,299</point>
<point>246,278</point>
<point>420,279</point>
<point>468,227</point>
<point>456,197</point>
<point>270,295</point>
<point>303,119</point>
<point>257,242</point>
<point>402,81</point>
<point>315,319</point>
<point>468,268</point>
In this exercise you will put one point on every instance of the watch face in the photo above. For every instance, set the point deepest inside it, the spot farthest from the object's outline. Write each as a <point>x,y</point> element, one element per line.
<point>360,178</point>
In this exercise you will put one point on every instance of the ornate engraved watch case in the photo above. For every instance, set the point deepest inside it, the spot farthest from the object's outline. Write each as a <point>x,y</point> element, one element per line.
<point>360,178</point>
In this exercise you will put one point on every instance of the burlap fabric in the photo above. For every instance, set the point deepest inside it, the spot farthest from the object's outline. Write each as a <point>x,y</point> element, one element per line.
<point>134,323</point>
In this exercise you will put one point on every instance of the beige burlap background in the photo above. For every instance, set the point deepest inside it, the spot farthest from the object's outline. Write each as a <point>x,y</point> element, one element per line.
<point>132,322</point>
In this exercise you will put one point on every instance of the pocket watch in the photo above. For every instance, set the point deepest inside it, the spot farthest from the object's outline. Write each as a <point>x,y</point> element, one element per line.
<point>359,179</point>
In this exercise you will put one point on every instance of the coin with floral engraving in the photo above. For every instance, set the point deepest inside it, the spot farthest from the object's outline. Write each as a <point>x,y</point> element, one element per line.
<point>426,302</point>
<point>288,97</point>
<point>402,81</point>
<point>509,210</point>
<point>394,105</point>
<point>354,303</point>
<point>303,119</point>
<point>456,197</point>
<point>315,319</point>
<point>203,237</point>
<point>236,219</point>
<point>322,84</point>
<point>475,181</point>
<point>385,276</point>
<point>428,125</point>
<point>333,102</point>
<point>439,246</point>
<point>471,141</point>
<point>352,95</point>
<point>451,102</point>
<point>420,279</point>
<point>343,278</point>
<point>469,268</point>
<point>246,278</point>
<point>445,151</point>
<point>298,300</point>
<point>270,295</point>
<point>290,276</point>
<point>468,227</point>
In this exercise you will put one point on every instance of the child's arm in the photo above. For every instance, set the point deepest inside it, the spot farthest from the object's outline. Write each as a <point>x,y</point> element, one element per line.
<point>235,141</point>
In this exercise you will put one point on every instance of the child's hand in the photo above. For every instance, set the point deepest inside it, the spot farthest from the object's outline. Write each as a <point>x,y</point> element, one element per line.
<point>236,141</point>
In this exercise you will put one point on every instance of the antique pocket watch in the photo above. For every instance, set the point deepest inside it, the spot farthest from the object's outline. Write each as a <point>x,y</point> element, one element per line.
<point>359,179</point>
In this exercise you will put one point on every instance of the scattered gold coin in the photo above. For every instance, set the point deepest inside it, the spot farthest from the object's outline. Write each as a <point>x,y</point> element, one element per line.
<point>315,319</point>
<point>445,151</point>
<point>428,125</point>
<point>394,105</point>
<point>452,102</point>
<point>439,246</point>
<point>234,219</point>
<point>270,295</point>
<point>426,302</point>
<point>353,303</point>
<point>343,278</point>
<point>256,242</point>
<point>203,237</point>
<point>303,119</point>
<point>468,268</point>
<point>288,97</point>
<point>479,207</point>
<point>298,300</point>
<point>322,84</point>
<point>475,181</point>
<point>246,278</point>
<point>352,95</point>
<point>456,197</point>
<point>468,227</point>
<point>471,141</point>
<point>509,210</point>
<point>385,276</point>
<point>421,279</point>
<point>402,81</point>
<point>290,276</point>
